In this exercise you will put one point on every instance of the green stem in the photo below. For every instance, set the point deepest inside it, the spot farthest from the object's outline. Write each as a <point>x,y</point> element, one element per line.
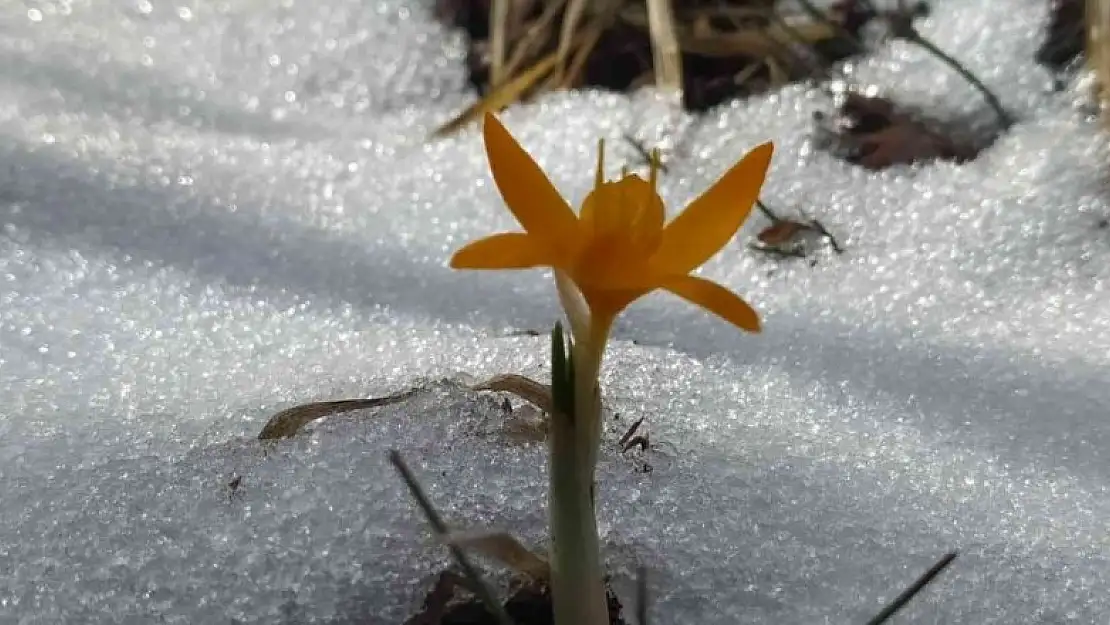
<point>588,356</point>
<point>578,589</point>
<point>576,579</point>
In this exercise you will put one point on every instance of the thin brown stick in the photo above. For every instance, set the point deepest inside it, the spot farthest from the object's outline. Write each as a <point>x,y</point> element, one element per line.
<point>484,592</point>
<point>901,23</point>
<point>641,596</point>
<point>534,38</point>
<point>1097,17</point>
<point>666,56</point>
<point>767,212</point>
<point>632,430</point>
<point>499,34</point>
<point>901,600</point>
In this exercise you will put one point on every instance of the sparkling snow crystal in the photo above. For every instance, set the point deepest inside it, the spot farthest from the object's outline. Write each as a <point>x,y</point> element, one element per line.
<point>210,211</point>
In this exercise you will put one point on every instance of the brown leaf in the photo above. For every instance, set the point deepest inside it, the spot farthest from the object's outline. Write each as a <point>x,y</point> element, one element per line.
<point>877,135</point>
<point>288,422</point>
<point>504,548</point>
<point>781,232</point>
<point>536,393</point>
<point>522,429</point>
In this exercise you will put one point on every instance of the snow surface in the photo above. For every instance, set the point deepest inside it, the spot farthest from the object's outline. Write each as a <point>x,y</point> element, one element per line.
<point>210,211</point>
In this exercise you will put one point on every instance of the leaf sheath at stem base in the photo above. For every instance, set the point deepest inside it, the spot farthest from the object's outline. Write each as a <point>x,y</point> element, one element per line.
<point>578,590</point>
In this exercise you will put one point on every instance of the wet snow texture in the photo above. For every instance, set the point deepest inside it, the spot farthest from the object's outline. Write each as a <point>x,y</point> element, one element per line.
<point>210,211</point>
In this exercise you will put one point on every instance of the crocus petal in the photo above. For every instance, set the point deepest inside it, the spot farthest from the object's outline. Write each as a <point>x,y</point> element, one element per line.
<point>714,298</point>
<point>527,191</point>
<point>629,206</point>
<point>613,262</point>
<point>710,221</point>
<point>606,304</point>
<point>508,250</point>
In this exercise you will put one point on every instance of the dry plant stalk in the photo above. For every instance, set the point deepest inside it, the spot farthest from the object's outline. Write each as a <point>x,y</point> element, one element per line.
<point>575,10</point>
<point>541,46</point>
<point>1098,51</point>
<point>498,28</point>
<point>667,57</point>
<point>699,36</point>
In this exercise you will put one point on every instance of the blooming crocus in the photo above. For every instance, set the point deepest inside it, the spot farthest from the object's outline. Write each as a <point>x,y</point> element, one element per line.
<point>619,247</point>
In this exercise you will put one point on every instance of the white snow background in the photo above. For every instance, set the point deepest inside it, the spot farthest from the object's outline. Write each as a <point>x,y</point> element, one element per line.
<point>210,211</point>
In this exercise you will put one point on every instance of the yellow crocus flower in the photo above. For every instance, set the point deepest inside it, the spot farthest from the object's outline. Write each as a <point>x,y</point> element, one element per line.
<point>619,248</point>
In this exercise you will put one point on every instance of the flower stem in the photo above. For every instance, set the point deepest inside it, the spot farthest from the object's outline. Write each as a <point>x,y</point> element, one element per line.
<point>590,352</point>
<point>578,590</point>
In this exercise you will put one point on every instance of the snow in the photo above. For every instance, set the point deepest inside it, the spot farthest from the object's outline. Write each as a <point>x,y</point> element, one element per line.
<point>213,211</point>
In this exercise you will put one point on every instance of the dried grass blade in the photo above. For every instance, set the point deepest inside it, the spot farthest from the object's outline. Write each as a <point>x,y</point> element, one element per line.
<point>589,38</point>
<point>535,37</point>
<point>666,55</point>
<point>536,393</point>
<point>573,14</point>
<point>642,600</point>
<point>759,43</point>
<point>484,591</point>
<point>503,95</point>
<point>498,33</point>
<point>902,599</point>
<point>746,74</point>
<point>1098,50</point>
<point>288,422</point>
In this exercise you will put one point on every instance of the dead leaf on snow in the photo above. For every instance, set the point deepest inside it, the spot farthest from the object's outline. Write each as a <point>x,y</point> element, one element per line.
<point>504,548</point>
<point>288,422</point>
<point>871,131</point>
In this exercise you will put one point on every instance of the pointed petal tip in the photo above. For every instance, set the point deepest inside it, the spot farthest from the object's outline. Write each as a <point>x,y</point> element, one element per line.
<point>751,325</point>
<point>526,189</point>
<point>716,299</point>
<point>713,218</point>
<point>763,151</point>
<point>759,159</point>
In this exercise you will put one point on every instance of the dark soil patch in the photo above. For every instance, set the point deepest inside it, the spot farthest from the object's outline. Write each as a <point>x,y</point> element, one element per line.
<point>1064,39</point>
<point>528,603</point>
<point>730,48</point>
